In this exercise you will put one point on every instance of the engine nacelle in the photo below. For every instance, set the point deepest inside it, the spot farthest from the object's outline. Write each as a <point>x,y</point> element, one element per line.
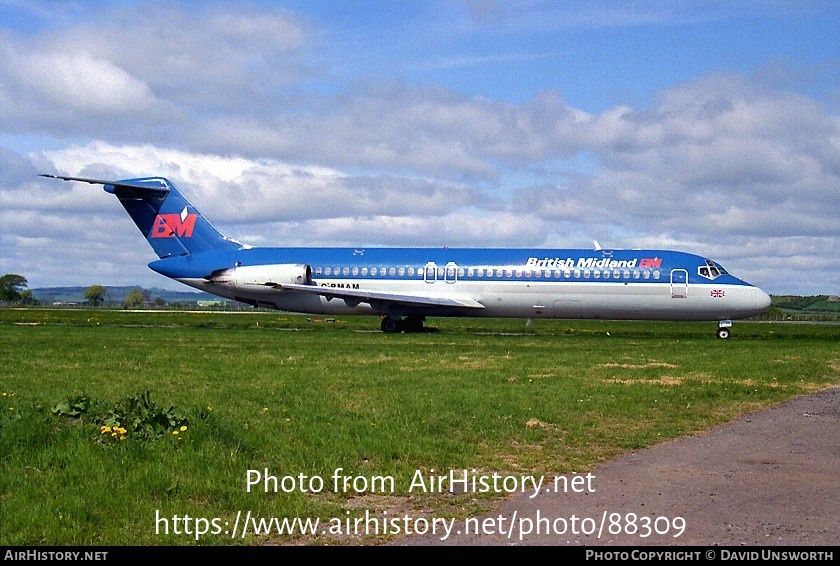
<point>250,276</point>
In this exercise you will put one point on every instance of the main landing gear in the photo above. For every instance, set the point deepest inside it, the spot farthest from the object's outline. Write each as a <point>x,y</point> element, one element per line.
<point>407,324</point>
<point>723,329</point>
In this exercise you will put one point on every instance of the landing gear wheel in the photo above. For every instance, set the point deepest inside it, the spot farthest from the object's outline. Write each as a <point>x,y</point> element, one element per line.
<point>413,323</point>
<point>391,324</point>
<point>722,333</point>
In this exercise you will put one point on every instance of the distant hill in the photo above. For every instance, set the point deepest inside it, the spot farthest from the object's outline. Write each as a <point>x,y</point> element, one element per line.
<point>816,303</point>
<point>116,295</point>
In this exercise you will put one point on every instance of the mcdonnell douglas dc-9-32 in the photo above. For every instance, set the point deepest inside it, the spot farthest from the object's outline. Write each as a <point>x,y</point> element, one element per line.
<point>405,285</point>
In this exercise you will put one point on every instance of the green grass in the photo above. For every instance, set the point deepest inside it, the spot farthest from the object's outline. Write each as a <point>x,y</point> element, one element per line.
<point>278,392</point>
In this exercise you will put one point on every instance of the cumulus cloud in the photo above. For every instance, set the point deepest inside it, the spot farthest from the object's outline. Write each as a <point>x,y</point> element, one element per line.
<point>134,70</point>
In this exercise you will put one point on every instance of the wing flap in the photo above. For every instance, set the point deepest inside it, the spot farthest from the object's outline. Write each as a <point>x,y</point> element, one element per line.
<point>397,298</point>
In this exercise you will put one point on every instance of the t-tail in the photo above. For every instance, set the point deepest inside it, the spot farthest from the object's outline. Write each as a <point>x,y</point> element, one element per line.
<point>170,223</point>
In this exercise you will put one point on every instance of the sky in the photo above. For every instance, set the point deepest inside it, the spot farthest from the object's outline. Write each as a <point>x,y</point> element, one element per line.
<point>702,126</point>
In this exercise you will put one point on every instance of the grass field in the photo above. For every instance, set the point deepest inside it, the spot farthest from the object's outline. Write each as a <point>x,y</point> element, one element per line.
<point>229,393</point>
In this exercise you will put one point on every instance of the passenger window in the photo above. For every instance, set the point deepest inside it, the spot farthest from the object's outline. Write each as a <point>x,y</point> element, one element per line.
<point>327,271</point>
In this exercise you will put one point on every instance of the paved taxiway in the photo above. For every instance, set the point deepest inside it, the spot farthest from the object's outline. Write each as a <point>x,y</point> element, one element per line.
<point>769,478</point>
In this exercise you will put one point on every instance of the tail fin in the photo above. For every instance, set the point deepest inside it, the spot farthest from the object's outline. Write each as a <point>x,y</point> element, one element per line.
<point>171,225</point>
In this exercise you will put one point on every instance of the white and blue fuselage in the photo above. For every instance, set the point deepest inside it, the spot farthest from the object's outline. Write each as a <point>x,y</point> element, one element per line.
<point>518,283</point>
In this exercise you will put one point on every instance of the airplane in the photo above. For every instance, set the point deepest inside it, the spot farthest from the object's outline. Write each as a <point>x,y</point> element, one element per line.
<point>405,285</point>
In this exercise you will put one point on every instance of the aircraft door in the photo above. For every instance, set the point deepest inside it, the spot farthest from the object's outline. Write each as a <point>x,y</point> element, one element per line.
<point>450,275</point>
<point>430,272</point>
<point>679,283</point>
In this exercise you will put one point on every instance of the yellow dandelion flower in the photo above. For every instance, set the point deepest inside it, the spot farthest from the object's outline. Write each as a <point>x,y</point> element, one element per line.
<point>265,408</point>
<point>183,428</point>
<point>175,432</point>
<point>209,408</point>
<point>105,429</point>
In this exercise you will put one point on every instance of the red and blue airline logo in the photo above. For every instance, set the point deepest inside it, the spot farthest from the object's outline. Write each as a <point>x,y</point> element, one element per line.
<point>172,225</point>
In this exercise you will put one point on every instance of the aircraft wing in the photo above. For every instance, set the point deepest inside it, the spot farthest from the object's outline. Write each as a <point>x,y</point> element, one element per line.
<point>381,296</point>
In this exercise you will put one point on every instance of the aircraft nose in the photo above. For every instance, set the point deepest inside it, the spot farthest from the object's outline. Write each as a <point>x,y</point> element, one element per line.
<point>765,300</point>
<point>747,300</point>
<point>759,301</point>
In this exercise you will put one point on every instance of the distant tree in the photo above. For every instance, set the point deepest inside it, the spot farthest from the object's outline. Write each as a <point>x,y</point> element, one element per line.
<point>11,285</point>
<point>95,295</point>
<point>159,302</point>
<point>136,297</point>
<point>27,298</point>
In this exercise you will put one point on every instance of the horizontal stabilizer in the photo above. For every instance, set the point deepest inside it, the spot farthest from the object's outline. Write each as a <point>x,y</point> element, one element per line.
<point>147,185</point>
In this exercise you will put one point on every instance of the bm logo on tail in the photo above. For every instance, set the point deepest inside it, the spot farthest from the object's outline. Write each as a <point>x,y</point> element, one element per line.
<point>172,225</point>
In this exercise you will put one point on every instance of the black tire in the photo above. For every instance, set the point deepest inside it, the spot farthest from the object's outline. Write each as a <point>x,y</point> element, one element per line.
<point>391,324</point>
<point>723,333</point>
<point>413,324</point>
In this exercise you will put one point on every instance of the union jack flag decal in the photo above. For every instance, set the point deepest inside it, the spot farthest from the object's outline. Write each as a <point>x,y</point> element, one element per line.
<point>717,293</point>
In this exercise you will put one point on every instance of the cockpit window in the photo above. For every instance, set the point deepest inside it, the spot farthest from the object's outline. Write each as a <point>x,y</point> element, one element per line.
<point>711,270</point>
